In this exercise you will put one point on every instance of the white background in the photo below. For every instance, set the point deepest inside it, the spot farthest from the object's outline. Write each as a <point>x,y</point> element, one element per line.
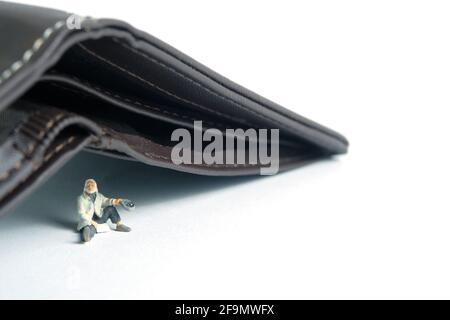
<point>371,224</point>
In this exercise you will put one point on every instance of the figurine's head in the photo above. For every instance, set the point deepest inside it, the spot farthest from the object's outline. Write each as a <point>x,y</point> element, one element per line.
<point>90,186</point>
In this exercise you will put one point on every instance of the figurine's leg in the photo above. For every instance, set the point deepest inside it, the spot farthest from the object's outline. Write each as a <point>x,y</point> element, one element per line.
<point>111,213</point>
<point>87,233</point>
<point>103,218</point>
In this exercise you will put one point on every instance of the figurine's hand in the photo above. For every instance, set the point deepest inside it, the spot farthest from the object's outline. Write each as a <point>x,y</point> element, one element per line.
<point>116,202</point>
<point>94,223</point>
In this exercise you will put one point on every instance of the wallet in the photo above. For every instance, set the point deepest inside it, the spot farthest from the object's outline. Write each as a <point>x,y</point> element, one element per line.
<point>69,83</point>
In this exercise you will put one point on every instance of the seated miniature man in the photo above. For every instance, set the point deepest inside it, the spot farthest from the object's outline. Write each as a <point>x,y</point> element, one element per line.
<point>94,208</point>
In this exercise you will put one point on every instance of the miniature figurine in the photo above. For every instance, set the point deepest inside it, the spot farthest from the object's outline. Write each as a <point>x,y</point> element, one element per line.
<point>95,210</point>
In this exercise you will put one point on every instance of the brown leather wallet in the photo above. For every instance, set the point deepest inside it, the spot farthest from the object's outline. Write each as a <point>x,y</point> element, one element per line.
<point>69,83</point>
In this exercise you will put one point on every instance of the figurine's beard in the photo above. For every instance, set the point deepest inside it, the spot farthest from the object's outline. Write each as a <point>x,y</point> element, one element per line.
<point>91,192</point>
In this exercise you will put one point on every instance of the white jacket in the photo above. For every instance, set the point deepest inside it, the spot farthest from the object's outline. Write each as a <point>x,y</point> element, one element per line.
<point>87,209</point>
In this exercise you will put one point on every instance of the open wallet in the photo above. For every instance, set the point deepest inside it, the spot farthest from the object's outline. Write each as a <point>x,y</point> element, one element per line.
<point>69,83</point>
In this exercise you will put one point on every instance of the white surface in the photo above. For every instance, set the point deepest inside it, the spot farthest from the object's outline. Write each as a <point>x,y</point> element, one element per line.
<point>102,228</point>
<point>371,224</point>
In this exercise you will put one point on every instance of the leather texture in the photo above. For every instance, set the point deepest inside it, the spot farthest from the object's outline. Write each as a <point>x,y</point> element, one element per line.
<point>110,88</point>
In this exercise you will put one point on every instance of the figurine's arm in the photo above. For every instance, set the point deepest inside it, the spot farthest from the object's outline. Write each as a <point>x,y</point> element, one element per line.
<point>110,201</point>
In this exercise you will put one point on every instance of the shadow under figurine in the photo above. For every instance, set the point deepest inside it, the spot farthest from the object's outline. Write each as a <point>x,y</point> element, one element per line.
<point>95,210</point>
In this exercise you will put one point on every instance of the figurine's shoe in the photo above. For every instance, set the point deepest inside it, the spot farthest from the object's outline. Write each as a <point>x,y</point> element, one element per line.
<point>123,228</point>
<point>87,234</point>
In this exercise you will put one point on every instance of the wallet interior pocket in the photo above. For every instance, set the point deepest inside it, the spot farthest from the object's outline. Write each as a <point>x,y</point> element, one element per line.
<point>143,132</point>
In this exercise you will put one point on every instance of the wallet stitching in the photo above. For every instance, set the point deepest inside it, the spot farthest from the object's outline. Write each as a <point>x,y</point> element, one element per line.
<point>117,40</point>
<point>47,158</point>
<point>19,163</point>
<point>41,134</point>
<point>161,89</point>
<point>57,149</point>
<point>29,53</point>
<point>127,100</point>
<point>16,166</point>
